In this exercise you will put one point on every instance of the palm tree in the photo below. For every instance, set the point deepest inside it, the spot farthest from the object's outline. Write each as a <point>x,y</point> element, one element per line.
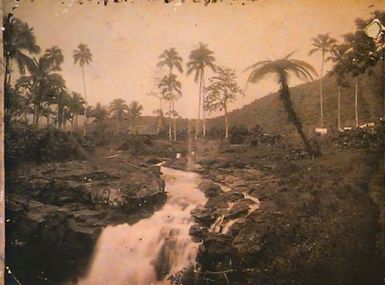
<point>55,57</point>
<point>135,111</point>
<point>100,113</point>
<point>158,112</point>
<point>282,68</point>
<point>18,39</point>
<point>222,90</point>
<point>200,58</point>
<point>77,107</point>
<point>170,58</point>
<point>338,57</point>
<point>170,88</point>
<point>42,83</point>
<point>119,110</point>
<point>83,56</point>
<point>322,43</point>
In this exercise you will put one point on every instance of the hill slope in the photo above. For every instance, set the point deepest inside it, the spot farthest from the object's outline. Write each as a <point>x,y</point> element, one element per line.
<point>268,111</point>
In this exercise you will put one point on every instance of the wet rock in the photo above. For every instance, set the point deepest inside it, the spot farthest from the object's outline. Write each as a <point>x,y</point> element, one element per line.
<point>237,211</point>
<point>210,188</point>
<point>198,233</point>
<point>203,216</point>
<point>233,196</point>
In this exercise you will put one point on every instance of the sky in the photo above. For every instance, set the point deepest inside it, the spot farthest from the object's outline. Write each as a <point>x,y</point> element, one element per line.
<point>127,38</point>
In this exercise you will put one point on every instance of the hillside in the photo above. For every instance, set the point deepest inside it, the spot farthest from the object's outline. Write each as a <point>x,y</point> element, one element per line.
<point>269,113</point>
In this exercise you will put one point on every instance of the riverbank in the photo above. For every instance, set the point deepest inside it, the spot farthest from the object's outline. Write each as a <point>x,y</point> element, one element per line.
<point>318,222</point>
<point>56,211</point>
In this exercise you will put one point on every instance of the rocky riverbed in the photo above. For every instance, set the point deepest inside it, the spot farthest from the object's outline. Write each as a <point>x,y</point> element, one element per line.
<point>55,212</point>
<point>286,222</point>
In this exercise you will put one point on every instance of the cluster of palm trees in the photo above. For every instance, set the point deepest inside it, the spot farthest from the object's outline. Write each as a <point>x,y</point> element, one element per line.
<point>120,111</point>
<point>355,55</point>
<point>200,58</point>
<point>41,90</point>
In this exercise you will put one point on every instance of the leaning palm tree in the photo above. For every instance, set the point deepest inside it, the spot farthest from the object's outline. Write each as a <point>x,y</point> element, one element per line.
<point>200,58</point>
<point>119,110</point>
<point>18,39</point>
<point>83,56</point>
<point>322,43</point>
<point>338,57</point>
<point>282,68</point>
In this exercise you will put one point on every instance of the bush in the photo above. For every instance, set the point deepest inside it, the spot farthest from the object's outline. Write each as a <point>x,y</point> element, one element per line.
<point>24,143</point>
<point>238,134</point>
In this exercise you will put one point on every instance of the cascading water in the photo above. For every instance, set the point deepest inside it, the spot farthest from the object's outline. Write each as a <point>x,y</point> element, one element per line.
<point>147,252</point>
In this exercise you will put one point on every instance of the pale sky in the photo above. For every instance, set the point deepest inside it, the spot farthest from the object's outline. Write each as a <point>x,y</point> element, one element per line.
<point>127,38</point>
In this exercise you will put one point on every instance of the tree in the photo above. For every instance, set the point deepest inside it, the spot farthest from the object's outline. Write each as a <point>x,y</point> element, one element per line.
<point>158,112</point>
<point>43,83</point>
<point>282,68</point>
<point>222,90</point>
<point>170,58</point>
<point>18,39</point>
<point>100,113</point>
<point>83,56</point>
<point>200,58</point>
<point>324,44</point>
<point>170,88</point>
<point>338,57</point>
<point>77,107</point>
<point>135,111</point>
<point>119,110</point>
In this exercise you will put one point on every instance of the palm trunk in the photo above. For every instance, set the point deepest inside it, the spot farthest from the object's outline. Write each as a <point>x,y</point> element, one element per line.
<point>293,117</point>
<point>203,105</point>
<point>356,103</point>
<point>174,119</point>
<point>339,109</point>
<point>321,90</point>
<point>86,103</point>
<point>169,122</point>
<point>226,122</point>
<point>197,125</point>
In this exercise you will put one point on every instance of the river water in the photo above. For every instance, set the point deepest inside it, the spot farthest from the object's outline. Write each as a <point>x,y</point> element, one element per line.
<point>135,254</point>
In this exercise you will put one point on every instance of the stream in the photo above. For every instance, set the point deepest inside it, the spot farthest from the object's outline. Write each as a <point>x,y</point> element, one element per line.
<point>153,248</point>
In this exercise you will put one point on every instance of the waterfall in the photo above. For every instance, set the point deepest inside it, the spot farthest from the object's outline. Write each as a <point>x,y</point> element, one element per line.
<point>147,252</point>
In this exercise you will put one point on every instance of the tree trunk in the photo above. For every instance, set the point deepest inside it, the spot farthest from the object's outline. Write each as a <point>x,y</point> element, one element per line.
<point>339,109</point>
<point>174,119</point>
<point>293,117</point>
<point>86,103</point>
<point>321,90</point>
<point>203,105</point>
<point>199,108</point>
<point>226,123</point>
<point>356,103</point>
<point>169,122</point>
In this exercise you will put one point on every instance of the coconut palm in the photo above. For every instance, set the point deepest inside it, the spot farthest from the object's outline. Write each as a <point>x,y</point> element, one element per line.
<point>324,44</point>
<point>77,107</point>
<point>135,111</point>
<point>55,56</point>
<point>338,57</point>
<point>100,113</point>
<point>282,68</point>
<point>42,83</point>
<point>119,110</point>
<point>170,88</point>
<point>83,56</point>
<point>18,39</point>
<point>223,89</point>
<point>200,58</point>
<point>170,59</point>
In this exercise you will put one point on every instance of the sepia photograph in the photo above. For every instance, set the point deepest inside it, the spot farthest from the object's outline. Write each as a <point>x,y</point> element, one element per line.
<point>192,142</point>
